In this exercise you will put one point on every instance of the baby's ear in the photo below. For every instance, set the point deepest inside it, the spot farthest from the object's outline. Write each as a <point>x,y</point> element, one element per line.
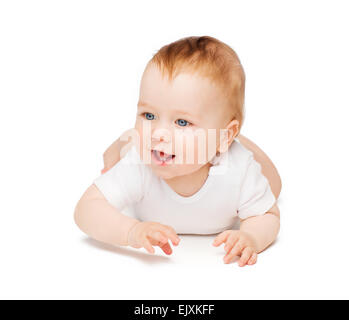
<point>233,127</point>
<point>228,135</point>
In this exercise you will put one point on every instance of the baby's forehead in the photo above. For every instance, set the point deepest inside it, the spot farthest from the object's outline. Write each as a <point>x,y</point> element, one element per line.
<point>187,84</point>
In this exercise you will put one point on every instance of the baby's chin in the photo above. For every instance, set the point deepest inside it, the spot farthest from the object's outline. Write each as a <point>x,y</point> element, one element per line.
<point>166,176</point>
<point>174,171</point>
<point>165,173</point>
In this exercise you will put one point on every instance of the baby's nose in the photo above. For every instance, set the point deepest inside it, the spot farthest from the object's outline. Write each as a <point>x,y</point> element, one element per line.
<point>161,135</point>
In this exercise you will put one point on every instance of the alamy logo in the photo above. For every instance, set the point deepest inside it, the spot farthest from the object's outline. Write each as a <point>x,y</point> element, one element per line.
<point>188,146</point>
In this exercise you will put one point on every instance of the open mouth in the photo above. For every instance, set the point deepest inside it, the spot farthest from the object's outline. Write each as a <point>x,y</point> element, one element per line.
<point>162,157</point>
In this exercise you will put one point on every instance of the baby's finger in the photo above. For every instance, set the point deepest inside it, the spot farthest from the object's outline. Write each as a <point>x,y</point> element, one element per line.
<point>171,234</point>
<point>222,237</point>
<point>157,238</point>
<point>253,259</point>
<point>246,255</point>
<point>147,245</point>
<point>166,248</point>
<point>231,241</point>
<point>234,252</point>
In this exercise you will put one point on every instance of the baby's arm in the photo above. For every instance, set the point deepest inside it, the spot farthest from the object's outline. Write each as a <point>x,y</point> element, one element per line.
<point>99,219</point>
<point>260,218</point>
<point>264,228</point>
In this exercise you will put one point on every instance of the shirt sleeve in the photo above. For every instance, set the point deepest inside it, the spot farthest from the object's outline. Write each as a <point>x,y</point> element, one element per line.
<point>123,184</point>
<point>256,197</point>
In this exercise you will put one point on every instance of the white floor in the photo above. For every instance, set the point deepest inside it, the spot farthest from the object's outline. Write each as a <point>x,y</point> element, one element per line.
<point>309,260</point>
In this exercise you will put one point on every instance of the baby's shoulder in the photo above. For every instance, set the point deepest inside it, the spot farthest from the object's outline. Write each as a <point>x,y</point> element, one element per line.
<point>239,156</point>
<point>130,163</point>
<point>130,155</point>
<point>233,164</point>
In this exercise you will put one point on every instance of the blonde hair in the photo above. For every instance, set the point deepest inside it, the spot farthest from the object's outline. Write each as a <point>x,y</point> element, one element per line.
<point>208,57</point>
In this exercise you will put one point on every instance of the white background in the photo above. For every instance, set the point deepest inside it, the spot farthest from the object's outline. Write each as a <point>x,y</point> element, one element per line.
<point>69,81</point>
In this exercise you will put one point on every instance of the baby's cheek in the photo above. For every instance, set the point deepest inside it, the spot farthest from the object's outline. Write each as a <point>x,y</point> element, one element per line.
<point>143,145</point>
<point>186,146</point>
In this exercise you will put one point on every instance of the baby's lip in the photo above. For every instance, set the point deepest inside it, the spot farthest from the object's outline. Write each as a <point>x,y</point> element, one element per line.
<point>165,153</point>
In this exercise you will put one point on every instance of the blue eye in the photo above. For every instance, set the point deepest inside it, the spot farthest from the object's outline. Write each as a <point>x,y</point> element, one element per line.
<point>183,123</point>
<point>151,116</point>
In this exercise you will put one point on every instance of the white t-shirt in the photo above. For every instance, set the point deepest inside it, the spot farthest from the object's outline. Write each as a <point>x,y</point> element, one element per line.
<point>235,188</point>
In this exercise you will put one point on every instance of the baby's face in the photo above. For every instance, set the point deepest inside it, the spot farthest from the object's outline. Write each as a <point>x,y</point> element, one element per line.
<point>182,119</point>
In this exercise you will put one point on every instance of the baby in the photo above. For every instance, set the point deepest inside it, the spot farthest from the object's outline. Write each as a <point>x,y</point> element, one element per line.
<point>186,169</point>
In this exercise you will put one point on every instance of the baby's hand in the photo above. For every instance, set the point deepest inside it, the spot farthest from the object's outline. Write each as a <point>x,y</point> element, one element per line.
<point>237,243</point>
<point>145,234</point>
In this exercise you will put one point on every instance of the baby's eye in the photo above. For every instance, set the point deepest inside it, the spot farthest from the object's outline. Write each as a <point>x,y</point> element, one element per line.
<point>183,123</point>
<point>149,115</point>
